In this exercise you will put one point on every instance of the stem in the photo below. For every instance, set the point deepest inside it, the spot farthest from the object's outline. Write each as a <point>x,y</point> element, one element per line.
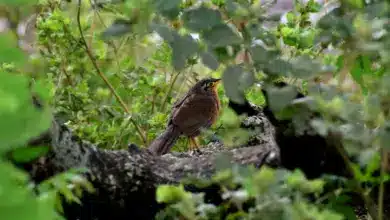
<point>349,60</point>
<point>153,102</point>
<point>370,205</point>
<point>111,42</point>
<point>382,185</point>
<point>169,92</point>
<point>91,57</point>
<point>92,29</point>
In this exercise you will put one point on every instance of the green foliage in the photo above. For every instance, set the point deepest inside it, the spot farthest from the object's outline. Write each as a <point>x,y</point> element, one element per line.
<point>145,53</point>
<point>229,29</point>
<point>17,101</point>
<point>269,193</point>
<point>17,2</point>
<point>24,114</point>
<point>8,47</point>
<point>27,154</point>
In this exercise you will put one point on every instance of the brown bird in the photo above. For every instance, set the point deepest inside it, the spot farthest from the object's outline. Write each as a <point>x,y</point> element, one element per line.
<point>197,110</point>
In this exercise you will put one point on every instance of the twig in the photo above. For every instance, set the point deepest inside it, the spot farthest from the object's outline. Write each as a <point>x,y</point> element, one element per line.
<point>111,42</point>
<point>162,109</point>
<point>155,93</point>
<point>382,185</point>
<point>370,205</point>
<point>67,76</point>
<point>153,102</point>
<point>92,29</point>
<point>14,22</point>
<point>90,55</point>
<point>345,70</point>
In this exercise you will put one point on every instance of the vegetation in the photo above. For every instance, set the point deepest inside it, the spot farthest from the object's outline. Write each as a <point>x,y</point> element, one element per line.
<point>112,69</point>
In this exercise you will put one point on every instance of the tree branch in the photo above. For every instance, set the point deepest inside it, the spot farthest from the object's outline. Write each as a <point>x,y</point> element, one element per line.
<point>125,180</point>
<point>92,58</point>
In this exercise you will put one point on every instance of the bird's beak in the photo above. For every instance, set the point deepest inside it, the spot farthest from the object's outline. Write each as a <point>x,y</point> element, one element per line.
<point>217,82</point>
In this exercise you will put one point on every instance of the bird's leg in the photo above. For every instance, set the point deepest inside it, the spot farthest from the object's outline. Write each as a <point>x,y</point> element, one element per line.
<point>195,145</point>
<point>190,147</point>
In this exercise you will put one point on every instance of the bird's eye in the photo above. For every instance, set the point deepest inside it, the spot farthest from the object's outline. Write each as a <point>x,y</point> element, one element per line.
<point>207,86</point>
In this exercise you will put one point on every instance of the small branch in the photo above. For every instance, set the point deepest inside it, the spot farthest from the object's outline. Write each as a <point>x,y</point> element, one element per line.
<point>153,102</point>
<point>370,205</point>
<point>92,29</point>
<point>111,42</point>
<point>382,185</point>
<point>67,75</point>
<point>164,104</point>
<point>345,70</point>
<point>90,55</point>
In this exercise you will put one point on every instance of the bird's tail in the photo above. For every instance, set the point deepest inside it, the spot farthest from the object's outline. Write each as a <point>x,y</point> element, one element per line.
<point>163,143</point>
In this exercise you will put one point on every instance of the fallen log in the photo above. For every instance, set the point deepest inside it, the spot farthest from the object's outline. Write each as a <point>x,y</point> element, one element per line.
<point>125,180</point>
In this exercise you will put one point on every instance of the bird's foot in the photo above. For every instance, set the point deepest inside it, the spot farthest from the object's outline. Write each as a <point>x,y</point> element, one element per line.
<point>195,152</point>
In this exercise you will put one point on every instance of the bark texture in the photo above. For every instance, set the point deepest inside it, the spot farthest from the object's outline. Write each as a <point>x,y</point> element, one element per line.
<point>126,180</point>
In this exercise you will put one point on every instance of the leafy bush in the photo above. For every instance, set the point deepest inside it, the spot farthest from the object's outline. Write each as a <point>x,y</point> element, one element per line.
<point>250,194</point>
<point>24,114</point>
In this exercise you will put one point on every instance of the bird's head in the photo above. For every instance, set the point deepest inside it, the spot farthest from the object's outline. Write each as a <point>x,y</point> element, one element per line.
<point>207,84</point>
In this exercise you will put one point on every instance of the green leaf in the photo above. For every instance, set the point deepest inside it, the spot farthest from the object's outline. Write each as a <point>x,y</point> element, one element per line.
<point>166,5</point>
<point>356,3</point>
<point>164,31</point>
<point>372,108</point>
<point>221,35</point>
<point>278,67</point>
<point>291,17</point>
<point>305,67</point>
<point>372,159</point>
<point>183,47</point>
<point>18,2</point>
<point>170,194</point>
<point>279,98</point>
<point>46,204</point>
<point>320,126</point>
<point>362,66</point>
<point>290,35</point>
<point>20,119</point>
<point>168,8</point>
<point>118,28</point>
<point>296,178</point>
<point>313,6</point>
<point>307,38</point>
<point>236,137</point>
<point>229,118</point>
<point>235,81</point>
<point>11,194</point>
<point>209,60</point>
<point>344,208</point>
<point>8,46</point>
<point>262,55</point>
<point>316,185</point>
<point>26,154</point>
<point>384,135</point>
<point>357,172</point>
<point>201,18</point>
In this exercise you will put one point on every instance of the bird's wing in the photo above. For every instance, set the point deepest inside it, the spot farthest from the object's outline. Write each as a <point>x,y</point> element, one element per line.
<point>194,112</point>
<point>177,105</point>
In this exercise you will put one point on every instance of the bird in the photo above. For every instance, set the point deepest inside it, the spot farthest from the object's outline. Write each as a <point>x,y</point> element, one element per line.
<point>198,109</point>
